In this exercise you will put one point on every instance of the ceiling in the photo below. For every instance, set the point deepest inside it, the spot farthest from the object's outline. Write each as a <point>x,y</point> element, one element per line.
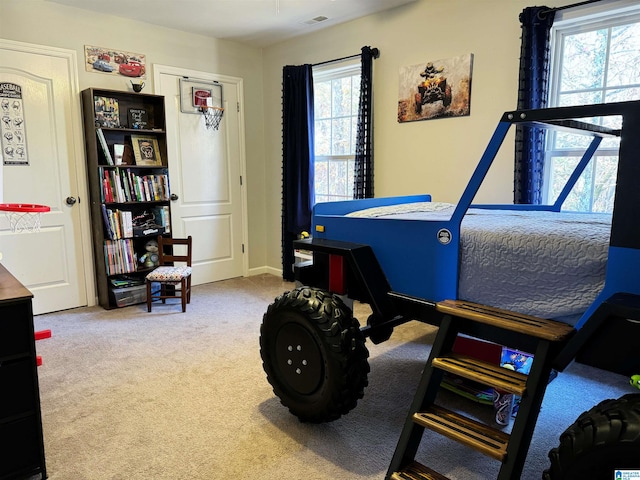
<point>258,23</point>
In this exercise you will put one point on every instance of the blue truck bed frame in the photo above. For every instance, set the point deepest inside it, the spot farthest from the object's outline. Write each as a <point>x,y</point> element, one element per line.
<point>313,349</point>
<point>418,261</point>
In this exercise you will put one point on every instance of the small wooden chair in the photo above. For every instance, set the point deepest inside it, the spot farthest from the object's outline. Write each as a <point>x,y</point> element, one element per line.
<point>167,274</point>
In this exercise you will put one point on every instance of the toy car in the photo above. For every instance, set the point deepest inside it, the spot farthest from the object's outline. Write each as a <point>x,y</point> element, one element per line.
<point>102,66</point>
<point>131,69</point>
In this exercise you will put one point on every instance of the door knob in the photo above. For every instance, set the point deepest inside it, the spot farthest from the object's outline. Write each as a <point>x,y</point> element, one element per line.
<point>71,200</point>
<point>174,197</point>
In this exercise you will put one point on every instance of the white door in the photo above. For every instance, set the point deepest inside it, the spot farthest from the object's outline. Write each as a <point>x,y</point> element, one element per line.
<point>206,168</point>
<point>41,143</point>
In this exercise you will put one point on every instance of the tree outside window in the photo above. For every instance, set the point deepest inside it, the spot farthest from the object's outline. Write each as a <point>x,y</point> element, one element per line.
<point>336,98</point>
<point>595,61</point>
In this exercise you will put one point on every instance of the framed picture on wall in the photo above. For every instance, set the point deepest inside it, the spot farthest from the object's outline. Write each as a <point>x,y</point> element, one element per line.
<point>435,89</point>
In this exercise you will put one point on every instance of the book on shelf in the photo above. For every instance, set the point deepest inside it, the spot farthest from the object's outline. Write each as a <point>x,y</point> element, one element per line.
<point>106,193</point>
<point>127,223</point>
<point>119,256</point>
<point>162,217</point>
<point>120,185</point>
<point>105,146</point>
<point>126,281</point>
<point>118,223</point>
<point>107,223</point>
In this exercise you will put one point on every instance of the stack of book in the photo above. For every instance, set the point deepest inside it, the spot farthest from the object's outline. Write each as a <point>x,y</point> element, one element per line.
<point>119,256</point>
<point>124,185</point>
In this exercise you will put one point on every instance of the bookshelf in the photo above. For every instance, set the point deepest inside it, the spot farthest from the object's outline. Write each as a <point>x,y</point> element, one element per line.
<point>129,190</point>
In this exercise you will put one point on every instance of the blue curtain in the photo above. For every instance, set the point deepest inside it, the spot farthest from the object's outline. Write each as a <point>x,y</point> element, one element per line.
<point>533,89</point>
<point>363,175</point>
<point>297,159</point>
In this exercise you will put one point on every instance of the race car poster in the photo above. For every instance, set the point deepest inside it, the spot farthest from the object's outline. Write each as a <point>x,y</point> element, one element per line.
<point>435,89</point>
<point>110,61</point>
<point>12,128</point>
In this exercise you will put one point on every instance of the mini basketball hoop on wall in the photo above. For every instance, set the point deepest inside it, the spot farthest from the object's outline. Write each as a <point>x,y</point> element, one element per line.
<point>24,217</point>
<point>202,97</point>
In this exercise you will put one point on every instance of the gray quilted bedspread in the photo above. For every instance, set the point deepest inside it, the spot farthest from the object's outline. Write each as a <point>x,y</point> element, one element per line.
<point>545,264</point>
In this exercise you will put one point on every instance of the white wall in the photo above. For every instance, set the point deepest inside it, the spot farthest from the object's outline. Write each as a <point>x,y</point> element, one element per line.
<point>46,23</point>
<point>434,156</point>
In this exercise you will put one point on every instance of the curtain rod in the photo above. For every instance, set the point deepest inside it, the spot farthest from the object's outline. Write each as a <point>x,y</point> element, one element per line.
<point>557,9</point>
<point>375,51</point>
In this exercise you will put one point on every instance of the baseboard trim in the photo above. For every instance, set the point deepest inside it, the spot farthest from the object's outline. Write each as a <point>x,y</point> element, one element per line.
<point>262,270</point>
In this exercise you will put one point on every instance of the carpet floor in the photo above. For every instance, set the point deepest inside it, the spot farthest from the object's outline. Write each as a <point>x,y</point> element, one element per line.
<point>131,395</point>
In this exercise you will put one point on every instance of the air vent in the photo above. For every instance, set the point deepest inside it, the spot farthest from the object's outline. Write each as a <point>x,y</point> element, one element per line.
<point>319,19</point>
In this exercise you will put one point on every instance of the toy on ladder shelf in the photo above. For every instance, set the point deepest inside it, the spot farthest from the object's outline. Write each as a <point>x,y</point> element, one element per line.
<point>23,217</point>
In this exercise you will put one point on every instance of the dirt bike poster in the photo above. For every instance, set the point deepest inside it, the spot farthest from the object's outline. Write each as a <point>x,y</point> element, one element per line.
<point>435,89</point>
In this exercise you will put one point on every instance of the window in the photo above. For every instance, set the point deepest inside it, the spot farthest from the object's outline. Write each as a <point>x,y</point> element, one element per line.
<point>336,99</point>
<point>595,60</point>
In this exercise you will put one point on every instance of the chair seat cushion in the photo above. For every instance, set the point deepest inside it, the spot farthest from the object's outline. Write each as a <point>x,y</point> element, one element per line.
<point>169,274</point>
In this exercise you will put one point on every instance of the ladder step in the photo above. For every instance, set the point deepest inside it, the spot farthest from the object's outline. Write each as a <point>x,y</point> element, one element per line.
<point>416,471</point>
<point>533,326</point>
<point>473,434</point>
<point>483,372</point>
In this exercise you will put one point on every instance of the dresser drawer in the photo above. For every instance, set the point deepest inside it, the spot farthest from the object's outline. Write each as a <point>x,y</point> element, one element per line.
<point>16,330</point>
<point>19,452</point>
<point>17,387</point>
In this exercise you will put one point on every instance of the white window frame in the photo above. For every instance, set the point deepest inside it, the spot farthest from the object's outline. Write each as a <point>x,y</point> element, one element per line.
<point>601,15</point>
<point>325,73</point>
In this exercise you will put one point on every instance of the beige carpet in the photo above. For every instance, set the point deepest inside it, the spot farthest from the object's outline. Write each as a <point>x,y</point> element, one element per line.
<point>131,395</point>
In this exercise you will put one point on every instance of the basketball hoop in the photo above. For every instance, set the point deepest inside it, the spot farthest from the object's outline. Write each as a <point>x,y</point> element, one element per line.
<point>23,217</point>
<point>212,116</point>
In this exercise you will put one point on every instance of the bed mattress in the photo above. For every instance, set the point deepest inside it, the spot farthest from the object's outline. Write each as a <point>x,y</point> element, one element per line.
<point>547,264</point>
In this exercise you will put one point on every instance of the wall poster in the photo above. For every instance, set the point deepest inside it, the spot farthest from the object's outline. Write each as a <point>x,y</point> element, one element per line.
<point>115,62</point>
<point>12,127</point>
<point>435,89</point>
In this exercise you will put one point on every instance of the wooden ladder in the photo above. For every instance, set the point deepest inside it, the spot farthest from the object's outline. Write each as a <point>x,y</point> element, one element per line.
<point>543,338</point>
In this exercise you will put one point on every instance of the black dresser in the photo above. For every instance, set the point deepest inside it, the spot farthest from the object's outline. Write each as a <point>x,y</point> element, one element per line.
<point>22,447</point>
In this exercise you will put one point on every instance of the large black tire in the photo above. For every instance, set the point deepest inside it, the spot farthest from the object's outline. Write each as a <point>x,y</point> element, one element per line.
<point>601,440</point>
<point>314,354</point>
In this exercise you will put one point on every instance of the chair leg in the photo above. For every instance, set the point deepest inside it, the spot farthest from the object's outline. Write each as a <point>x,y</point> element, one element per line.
<point>183,294</point>
<point>148,296</point>
<point>189,289</point>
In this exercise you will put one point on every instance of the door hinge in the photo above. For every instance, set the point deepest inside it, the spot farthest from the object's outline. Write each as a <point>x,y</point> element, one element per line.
<point>243,248</point>
<point>238,107</point>
<point>240,180</point>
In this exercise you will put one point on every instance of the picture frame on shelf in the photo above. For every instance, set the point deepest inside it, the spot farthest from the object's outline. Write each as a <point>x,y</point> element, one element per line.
<point>146,150</point>
<point>138,118</point>
<point>107,112</point>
